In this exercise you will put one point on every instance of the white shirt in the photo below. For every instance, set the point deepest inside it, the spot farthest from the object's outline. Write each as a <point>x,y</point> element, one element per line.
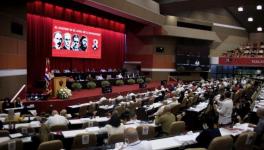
<point>225,111</point>
<point>139,145</point>
<point>56,120</point>
<point>113,130</point>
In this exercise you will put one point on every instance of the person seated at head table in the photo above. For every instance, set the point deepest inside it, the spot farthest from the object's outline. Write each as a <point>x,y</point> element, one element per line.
<point>119,76</point>
<point>102,70</point>
<point>100,77</point>
<point>56,119</point>
<point>110,70</point>
<point>114,125</point>
<point>133,141</point>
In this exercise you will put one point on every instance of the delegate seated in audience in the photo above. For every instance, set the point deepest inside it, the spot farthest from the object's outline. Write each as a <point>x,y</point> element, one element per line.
<point>133,141</point>
<point>56,119</point>
<point>259,128</point>
<point>114,126</point>
<point>12,117</point>
<point>165,119</point>
<point>63,113</point>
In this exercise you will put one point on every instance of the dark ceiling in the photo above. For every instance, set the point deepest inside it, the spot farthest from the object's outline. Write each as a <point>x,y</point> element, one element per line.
<point>171,7</point>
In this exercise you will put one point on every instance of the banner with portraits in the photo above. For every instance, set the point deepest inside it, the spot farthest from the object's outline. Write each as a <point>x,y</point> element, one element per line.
<point>75,40</point>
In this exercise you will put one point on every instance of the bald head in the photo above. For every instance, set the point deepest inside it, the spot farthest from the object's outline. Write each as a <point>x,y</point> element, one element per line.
<point>131,135</point>
<point>54,112</point>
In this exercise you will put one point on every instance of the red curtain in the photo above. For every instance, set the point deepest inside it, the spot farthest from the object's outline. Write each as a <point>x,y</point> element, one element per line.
<point>39,38</point>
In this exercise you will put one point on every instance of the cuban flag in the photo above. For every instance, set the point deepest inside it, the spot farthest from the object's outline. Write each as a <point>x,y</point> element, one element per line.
<point>47,76</point>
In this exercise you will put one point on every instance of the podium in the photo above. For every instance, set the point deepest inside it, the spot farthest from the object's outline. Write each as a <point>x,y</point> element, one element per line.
<point>56,84</point>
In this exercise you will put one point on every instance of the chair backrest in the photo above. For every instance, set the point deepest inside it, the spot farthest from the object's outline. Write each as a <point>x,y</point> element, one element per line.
<point>15,144</point>
<point>221,143</point>
<point>51,145</point>
<point>146,132</point>
<point>84,140</point>
<point>245,141</point>
<point>177,127</point>
<point>115,138</point>
<point>4,133</point>
<point>56,128</point>
<point>82,110</point>
<point>44,133</point>
<point>26,130</point>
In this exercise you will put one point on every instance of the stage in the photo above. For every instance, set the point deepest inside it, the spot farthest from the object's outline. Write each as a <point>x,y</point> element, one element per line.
<point>86,95</point>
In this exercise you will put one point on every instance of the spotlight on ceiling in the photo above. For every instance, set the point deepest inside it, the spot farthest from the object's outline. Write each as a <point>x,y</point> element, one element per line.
<point>250,19</point>
<point>259,29</point>
<point>240,9</point>
<point>259,7</point>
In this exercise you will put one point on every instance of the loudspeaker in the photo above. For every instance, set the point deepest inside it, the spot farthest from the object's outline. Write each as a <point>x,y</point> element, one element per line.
<point>159,49</point>
<point>163,82</point>
<point>107,89</point>
<point>142,85</point>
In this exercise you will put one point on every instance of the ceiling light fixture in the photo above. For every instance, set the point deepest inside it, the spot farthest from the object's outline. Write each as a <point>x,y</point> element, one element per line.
<point>250,19</point>
<point>259,29</point>
<point>259,7</point>
<point>240,9</point>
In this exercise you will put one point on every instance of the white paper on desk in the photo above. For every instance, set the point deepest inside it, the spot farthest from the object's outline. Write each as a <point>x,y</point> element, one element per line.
<point>101,119</point>
<point>26,139</point>
<point>92,129</point>
<point>225,131</point>
<point>2,119</point>
<point>243,127</point>
<point>34,124</point>
<point>187,139</point>
<point>15,135</point>
<point>3,115</point>
<point>83,120</point>
<point>33,112</point>
<point>4,139</point>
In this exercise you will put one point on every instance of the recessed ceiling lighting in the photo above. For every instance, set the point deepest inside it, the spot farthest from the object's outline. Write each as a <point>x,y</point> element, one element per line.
<point>240,9</point>
<point>250,19</point>
<point>259,7</point>
<point>259,29</point>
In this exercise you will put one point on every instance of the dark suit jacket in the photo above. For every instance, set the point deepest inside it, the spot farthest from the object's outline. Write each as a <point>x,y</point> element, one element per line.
<point>206,136</point>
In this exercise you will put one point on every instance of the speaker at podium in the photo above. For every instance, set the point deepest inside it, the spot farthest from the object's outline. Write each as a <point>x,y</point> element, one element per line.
<point>107,89</point>
<point>56,84</point>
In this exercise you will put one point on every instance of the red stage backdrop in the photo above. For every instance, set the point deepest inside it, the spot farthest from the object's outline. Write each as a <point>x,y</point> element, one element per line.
<point>258,62</point>
<point>75,40</point>
<point>39,40</point>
